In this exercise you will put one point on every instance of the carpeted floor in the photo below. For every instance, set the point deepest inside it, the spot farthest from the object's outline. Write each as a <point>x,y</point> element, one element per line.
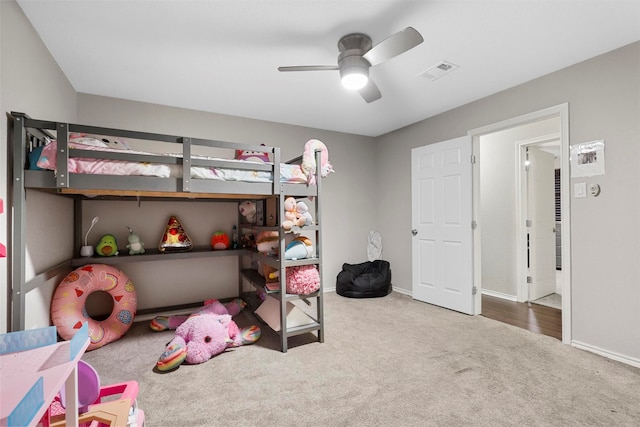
<point>388,361</point>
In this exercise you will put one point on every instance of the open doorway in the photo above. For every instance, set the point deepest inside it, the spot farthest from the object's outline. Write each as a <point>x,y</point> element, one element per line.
<point>540,221</point>
<point>502,240</point>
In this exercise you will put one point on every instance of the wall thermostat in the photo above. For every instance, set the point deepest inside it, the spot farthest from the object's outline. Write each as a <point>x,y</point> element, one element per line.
<point>594,189</point>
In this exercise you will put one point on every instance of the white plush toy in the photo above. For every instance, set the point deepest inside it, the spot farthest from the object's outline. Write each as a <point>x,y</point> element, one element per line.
<point>302,212</point>
<point>247,209</point>
<point>308,165</point>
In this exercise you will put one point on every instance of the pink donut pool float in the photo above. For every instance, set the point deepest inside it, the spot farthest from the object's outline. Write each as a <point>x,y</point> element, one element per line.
<point>68,311</point>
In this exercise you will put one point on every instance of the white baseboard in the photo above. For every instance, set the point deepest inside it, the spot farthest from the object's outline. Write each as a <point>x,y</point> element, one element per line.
<point>398,290</point>
<point>606,353</point>
<point>403,291</point>
<point>490,293</point>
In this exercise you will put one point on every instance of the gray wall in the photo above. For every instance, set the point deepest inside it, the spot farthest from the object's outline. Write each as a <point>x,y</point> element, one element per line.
<point>604,96</point>
<point>31,82</point>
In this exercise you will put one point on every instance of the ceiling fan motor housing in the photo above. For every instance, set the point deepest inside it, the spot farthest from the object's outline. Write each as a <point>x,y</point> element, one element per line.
<point>352,48</point>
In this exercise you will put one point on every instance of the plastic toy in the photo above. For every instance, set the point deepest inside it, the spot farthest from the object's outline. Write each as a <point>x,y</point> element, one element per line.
<point>234,237</point>
<point>290,217</point>
<point>302,212</point>
<point>219,240</point>
<point>308,165</point>
<point>135,246</point>
<point>114,403</point>
<point>107,246</point>
<point>203,334</point>
<point>247,209</point>
<point>175,238</point>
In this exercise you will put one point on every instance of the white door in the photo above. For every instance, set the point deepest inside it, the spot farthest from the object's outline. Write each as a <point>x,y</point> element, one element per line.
<point>441,213</point>
<point>541,210</point>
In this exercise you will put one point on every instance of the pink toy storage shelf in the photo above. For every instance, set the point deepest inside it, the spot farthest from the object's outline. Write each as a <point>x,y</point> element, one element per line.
<point>115,405</point>
<point>33,369</point>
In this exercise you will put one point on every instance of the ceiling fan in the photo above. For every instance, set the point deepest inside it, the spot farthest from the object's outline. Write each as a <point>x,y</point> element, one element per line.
<point>357,55</point>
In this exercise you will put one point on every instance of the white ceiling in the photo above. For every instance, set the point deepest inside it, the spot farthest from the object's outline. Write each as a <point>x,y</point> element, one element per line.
<point>222,55</point>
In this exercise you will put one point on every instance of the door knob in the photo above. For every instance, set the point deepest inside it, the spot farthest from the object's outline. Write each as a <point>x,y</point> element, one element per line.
<point>414,232</point>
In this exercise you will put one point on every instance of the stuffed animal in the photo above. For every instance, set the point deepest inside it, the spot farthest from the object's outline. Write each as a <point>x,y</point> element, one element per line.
<point>268,272</point>
<point>135,246</point>
<point>268,242</point>
<point>220,240</point>
<point>302,211</point>
<point>308,165</point>
<point>300,248</point>
<point>252,156</point>
<point>302,280</point>
<point>107,246</point>
<point>290,217</point>
<point>247,209</point>
<point>203,334</point>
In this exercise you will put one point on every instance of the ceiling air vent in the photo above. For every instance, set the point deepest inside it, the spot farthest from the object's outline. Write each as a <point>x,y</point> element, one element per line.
<point>438,70</point>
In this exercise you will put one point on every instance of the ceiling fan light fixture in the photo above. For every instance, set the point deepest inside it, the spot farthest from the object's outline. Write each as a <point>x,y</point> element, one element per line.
<point>355,78</point>
<point>354,72</point>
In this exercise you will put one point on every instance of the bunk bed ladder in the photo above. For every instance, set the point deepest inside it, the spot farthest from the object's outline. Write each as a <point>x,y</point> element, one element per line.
<point>17,237</point>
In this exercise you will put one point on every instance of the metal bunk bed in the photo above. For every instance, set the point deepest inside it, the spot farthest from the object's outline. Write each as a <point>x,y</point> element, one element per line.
<point>28,134</point>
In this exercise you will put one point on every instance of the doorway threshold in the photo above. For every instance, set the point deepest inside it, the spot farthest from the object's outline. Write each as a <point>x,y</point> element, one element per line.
<point>552,300</point>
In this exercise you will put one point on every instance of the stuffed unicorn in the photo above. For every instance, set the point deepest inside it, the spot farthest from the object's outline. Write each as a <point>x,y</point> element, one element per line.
<point>308,165</point>
<point>203,334</point>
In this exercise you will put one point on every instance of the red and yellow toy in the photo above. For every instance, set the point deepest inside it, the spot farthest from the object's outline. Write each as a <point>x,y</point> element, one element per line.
<point>219,240</point>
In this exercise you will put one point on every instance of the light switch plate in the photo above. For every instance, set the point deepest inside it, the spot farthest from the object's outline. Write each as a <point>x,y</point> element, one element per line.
<point>580,190</point>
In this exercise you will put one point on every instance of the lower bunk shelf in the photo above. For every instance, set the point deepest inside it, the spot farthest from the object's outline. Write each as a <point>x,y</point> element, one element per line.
<point>267,308</point>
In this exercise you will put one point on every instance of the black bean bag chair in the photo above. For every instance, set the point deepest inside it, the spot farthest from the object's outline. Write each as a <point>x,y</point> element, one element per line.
<point>366,280</point>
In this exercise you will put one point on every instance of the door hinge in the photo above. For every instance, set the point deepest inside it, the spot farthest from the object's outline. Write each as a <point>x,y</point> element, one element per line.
<point>474,225</point>
<point>474,290</point>
<point>473,159</point>
<point>529,279</point>
<point>528,223</point>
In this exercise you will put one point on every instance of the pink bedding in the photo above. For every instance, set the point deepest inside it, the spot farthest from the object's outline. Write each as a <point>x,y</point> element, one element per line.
<point>47,160</point>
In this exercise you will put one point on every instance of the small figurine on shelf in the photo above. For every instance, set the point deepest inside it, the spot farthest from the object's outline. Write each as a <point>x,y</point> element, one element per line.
<point>175,237</point>
<point>234,237</point>
<point>107,246</point>
<point>135,246</point>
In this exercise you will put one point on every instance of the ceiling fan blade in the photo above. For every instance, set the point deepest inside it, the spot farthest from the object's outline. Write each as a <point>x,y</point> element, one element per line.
<point>394,45</point>
<point>308,68</point>
<point>370,92</point>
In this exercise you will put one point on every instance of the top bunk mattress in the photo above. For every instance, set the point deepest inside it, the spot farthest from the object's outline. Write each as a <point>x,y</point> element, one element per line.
<point>45,158</point>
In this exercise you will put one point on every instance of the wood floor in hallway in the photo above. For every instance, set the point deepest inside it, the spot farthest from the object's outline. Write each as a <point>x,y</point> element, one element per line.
<point>533,317</point>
